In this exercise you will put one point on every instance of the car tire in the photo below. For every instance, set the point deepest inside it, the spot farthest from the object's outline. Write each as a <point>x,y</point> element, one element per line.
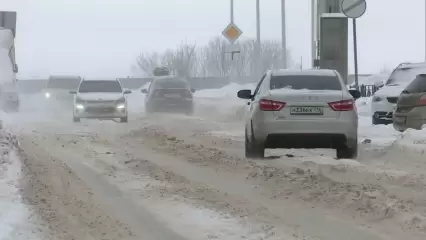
<point>123,119</point>
<point>76,119</point>
<point>253,149</point>
<point>348,152</point>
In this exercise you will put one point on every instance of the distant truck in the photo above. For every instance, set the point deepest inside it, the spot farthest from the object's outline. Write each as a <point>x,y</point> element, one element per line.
<point>9,98</point>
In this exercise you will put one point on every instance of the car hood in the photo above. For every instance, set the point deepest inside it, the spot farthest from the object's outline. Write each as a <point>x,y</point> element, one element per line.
<point>99,96</point>
<point>390,91</point>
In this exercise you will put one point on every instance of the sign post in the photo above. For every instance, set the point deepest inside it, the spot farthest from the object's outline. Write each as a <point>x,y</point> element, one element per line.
<point>232,33</point>
<point>354,9</point>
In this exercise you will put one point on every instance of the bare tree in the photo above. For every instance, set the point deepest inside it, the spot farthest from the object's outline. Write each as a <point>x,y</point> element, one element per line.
<point>215,62</point>
<point>214,59</point>
<point>147,62</point>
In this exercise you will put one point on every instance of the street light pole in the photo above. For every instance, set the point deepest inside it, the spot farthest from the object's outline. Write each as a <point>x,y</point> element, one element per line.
<point>283,35</point>
<point>258,38</point>
<point>232,11</point>
<point>313,31</point>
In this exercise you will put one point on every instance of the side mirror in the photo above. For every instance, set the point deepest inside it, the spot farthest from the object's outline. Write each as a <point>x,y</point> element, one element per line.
<point>144,90</point>
<point>192,90</point>
<point>244,94</point>
<point>73,92</point>
<point>355,93</point>
<point>127,91</point>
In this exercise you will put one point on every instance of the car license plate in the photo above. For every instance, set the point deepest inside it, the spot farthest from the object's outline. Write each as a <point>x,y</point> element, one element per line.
<point>172,95</point>
<point>306,111</point>
<point>399,119</point>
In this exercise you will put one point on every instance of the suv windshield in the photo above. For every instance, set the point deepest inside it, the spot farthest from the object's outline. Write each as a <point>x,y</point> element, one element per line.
<point>418,85</point>
<point>63,83</point>
<point>404,75</point>
<point>100,86</point>
<point>310,82</point>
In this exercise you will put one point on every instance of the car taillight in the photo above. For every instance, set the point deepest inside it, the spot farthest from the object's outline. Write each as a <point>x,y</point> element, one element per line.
<point>344,105</point>
<point>422,101</point>
<point>269,105</point>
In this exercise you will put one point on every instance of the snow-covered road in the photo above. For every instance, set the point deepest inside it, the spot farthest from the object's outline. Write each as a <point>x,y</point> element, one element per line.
<point>179,177</point>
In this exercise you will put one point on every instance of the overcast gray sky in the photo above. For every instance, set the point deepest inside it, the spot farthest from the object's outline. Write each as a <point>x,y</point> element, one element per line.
<point>103,37</point>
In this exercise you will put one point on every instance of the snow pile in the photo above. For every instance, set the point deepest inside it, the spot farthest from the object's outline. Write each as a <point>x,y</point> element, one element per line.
<point>223,103</point>
<point>227,92</point>
<point>363,106</point>
<point>412,140</point>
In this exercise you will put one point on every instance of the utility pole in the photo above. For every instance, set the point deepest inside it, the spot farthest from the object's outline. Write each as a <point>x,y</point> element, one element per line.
<point>283,35</point>
<point>232,11</point>
<point>232,44</point>
<point>258,60</point>
<point>313,36</point>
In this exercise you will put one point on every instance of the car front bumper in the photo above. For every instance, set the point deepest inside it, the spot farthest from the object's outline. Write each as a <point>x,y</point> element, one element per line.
<point>100,111</point>
<point>383,110</point>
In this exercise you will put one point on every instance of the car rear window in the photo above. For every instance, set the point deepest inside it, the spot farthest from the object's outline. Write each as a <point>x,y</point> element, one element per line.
<point>418,85</point>
<point>404,75</point>
<point>100,86</point>
<point>310,82</point>
<point>171,83</point>
<point>63,83</point>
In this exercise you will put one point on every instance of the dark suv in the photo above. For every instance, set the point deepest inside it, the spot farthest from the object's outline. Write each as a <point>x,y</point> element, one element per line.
<point>169,94</point>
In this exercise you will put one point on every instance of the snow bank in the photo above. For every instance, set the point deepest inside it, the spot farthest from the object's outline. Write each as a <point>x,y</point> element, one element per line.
<point>223,103</point>
<point>14,214</point>
<point>412,140</point>
<point>226,92</point>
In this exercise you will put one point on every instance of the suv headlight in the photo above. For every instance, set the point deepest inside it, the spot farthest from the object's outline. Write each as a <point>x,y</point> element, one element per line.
<point>377,98</point>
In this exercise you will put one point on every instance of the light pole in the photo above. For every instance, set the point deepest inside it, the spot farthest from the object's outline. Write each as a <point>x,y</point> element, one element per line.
<point>232,11</point>
<point>283,35</point>
<point>258,60</point>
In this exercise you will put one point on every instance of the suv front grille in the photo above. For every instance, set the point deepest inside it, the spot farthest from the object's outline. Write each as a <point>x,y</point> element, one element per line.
<point>392,99</point>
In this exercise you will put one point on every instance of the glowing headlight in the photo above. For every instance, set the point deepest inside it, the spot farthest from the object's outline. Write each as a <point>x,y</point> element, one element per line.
<point>47,95</point>
<point>121,106</point>
<point>79,106</point>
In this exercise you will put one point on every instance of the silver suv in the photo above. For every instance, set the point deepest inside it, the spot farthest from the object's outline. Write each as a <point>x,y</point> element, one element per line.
<point>301,109</point>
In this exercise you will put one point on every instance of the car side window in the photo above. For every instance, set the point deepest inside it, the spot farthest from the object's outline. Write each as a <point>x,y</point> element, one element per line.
<point>256,91</point>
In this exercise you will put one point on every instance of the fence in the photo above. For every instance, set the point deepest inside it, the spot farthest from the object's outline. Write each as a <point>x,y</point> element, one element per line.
<point>368,90</point>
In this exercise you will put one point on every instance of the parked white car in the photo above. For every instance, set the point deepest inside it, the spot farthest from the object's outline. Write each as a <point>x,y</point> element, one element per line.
<point>384,100</point>
<point>301,109</point>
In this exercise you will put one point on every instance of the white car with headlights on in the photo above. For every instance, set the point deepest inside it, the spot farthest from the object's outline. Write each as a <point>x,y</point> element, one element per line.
<point>383,102</point>
<point>56,91</point>
<point>301,109</point>
<point>100,99</point>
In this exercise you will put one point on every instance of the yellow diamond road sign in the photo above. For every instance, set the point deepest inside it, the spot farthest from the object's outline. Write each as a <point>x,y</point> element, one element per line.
<point>232,32</point>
